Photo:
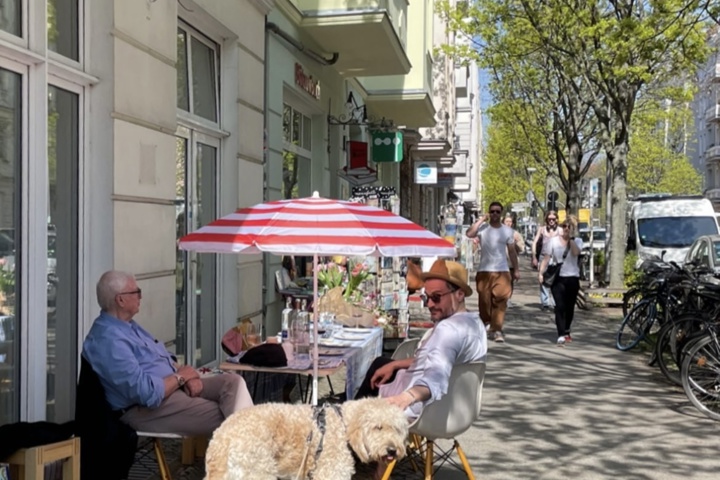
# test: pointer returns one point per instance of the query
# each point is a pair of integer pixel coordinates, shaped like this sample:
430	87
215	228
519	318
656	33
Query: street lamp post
531	195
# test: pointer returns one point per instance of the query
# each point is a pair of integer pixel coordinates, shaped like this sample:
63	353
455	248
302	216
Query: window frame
83	237
30	56
299	150
193	137
25	363
62	59
188	117
22	40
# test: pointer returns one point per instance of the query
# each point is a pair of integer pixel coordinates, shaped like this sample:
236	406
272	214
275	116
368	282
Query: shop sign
307	82
445	180
357	171
426	173
357	157
387	147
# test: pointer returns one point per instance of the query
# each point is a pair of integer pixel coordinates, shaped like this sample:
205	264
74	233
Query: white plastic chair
449	417
406	349
188	450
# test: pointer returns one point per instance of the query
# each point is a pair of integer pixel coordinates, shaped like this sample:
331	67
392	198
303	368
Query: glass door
11	155
196	273
62	252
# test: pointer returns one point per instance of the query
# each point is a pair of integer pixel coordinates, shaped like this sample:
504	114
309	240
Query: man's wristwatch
180	379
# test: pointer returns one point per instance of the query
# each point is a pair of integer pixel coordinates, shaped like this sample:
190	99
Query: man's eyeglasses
138	292
495	211
435	297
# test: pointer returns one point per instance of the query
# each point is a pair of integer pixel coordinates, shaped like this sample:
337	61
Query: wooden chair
447	418
29	463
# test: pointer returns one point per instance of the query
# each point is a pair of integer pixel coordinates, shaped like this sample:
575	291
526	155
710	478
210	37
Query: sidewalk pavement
583	411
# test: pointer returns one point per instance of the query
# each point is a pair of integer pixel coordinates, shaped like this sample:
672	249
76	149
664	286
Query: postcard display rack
387	274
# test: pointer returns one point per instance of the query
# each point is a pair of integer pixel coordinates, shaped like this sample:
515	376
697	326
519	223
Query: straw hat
451	272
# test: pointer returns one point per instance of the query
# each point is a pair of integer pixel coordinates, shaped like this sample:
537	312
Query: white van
669	223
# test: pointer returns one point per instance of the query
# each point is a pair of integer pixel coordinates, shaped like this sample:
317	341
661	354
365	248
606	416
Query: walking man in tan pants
493	279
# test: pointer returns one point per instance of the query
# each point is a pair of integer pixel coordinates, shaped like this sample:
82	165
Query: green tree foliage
504	177
680	178
657	160
604	51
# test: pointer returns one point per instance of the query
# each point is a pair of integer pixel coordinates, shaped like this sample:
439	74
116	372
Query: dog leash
319	417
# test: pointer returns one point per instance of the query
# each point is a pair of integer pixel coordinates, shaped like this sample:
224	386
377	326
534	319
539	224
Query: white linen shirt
458	339
494	247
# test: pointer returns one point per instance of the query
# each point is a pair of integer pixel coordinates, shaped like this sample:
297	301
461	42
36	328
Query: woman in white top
566	287
540	248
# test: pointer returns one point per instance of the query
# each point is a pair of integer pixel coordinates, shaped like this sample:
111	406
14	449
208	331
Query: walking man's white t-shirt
493	247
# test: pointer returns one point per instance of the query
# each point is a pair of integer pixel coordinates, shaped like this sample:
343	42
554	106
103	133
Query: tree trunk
608	215
618	240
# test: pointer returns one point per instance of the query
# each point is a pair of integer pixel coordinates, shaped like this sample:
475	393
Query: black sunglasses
138	292
495	211
435	297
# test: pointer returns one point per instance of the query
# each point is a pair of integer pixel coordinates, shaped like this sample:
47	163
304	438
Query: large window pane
204	80
183	94
180	255
62	254
287	115
10	162
63	30
206	275
11	16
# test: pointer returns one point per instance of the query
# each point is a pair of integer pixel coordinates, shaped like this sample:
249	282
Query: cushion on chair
16	436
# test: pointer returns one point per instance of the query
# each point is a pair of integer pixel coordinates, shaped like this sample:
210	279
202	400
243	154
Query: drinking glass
252	336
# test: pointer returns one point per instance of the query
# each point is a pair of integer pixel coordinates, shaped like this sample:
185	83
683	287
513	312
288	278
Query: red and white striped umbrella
317	226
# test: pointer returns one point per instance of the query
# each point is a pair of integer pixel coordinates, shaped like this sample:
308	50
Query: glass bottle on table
286	318
297	330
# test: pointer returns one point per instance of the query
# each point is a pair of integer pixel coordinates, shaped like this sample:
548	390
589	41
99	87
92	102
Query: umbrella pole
315	331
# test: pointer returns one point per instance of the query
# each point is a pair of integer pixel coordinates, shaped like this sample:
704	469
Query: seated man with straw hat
457	338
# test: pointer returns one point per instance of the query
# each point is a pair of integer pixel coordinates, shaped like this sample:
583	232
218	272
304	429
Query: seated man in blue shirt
142	383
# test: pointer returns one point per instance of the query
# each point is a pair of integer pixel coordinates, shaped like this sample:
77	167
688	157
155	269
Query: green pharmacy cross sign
387	147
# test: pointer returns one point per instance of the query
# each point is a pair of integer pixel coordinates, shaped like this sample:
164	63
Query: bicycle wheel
670	339
700	374
630	299
635	325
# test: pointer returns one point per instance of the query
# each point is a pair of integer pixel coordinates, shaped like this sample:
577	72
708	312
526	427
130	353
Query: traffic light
552	198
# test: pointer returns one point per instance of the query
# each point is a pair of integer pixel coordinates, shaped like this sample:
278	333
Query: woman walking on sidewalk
540	247
564	249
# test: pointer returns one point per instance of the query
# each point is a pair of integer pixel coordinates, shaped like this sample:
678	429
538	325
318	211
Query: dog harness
319	414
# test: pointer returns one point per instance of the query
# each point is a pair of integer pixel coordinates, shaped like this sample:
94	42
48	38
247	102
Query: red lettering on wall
307	82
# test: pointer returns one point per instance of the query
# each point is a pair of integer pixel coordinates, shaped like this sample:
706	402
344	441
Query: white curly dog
286	441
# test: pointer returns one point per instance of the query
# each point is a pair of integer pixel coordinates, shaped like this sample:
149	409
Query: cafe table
355	349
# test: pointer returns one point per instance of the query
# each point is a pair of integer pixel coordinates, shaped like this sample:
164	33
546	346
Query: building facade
467	172
125	124
340	74
706	108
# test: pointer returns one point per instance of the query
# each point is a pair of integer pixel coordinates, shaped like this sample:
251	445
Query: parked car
705	251
598	234
668	224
